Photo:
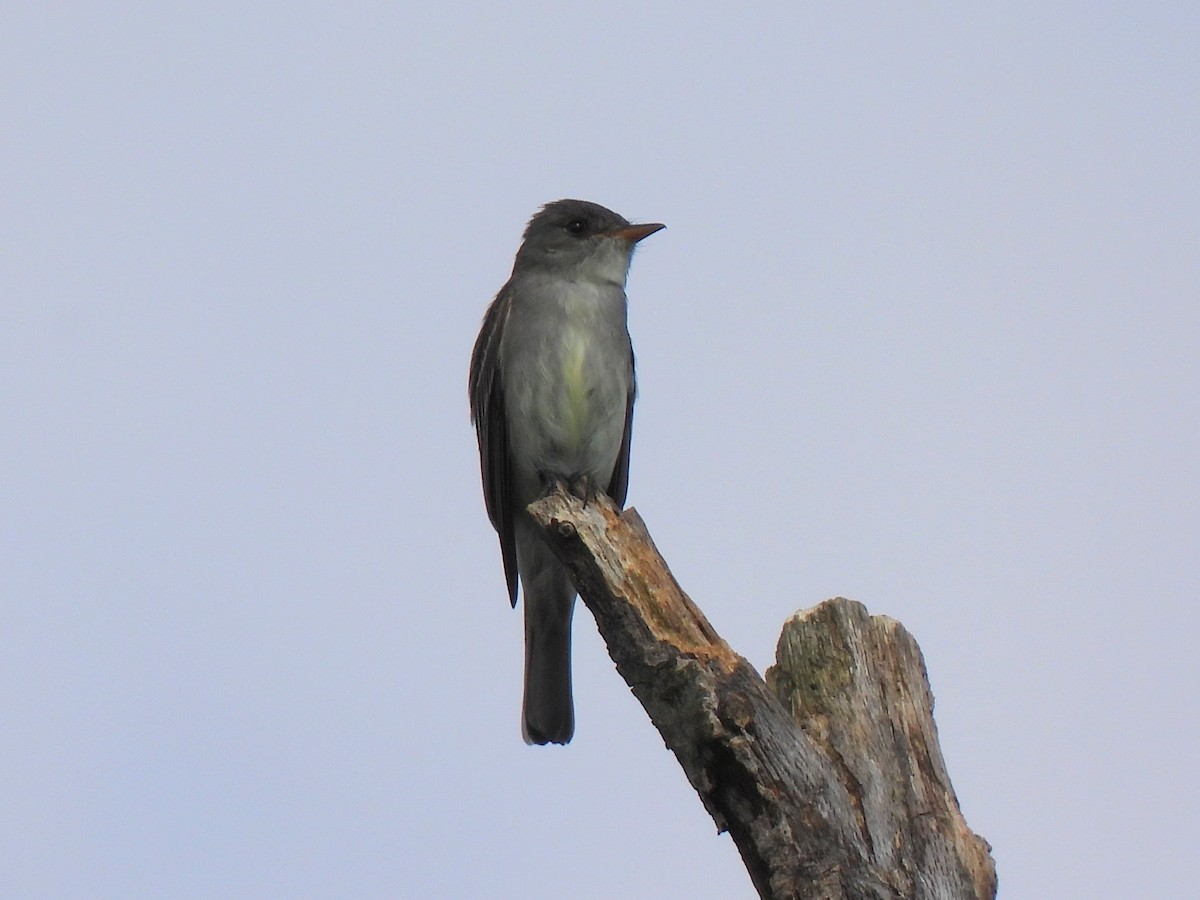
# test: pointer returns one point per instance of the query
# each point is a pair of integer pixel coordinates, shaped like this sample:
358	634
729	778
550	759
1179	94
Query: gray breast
567	380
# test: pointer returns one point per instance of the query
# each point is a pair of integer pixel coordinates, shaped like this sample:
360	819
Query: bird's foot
583	487
553	483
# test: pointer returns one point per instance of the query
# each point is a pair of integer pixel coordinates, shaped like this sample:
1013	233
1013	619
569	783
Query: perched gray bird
552	391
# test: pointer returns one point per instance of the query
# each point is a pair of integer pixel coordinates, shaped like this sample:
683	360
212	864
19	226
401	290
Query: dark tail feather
547	713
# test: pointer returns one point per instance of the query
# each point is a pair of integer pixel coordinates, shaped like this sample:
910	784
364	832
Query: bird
552	388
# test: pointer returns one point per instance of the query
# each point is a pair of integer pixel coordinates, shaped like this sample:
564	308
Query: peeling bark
828	775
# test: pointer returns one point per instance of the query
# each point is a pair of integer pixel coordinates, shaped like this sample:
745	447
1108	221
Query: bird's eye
576	226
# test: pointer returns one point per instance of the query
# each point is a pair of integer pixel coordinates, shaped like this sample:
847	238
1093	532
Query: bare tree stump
830	781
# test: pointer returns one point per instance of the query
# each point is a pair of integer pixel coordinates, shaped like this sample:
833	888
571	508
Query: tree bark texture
828	776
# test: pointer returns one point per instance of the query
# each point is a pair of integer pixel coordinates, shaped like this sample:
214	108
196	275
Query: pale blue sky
922	331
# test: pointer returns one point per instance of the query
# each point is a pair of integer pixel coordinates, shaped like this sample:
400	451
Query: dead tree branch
830	780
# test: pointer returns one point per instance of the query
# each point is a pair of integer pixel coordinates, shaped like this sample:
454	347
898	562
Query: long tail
547	711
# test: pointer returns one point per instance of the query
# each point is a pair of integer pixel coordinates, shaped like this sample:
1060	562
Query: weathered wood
857	686
839	791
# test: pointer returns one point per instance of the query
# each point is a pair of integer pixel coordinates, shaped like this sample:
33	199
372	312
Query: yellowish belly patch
575	416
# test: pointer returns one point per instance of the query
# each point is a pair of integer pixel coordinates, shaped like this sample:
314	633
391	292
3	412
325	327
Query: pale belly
572	402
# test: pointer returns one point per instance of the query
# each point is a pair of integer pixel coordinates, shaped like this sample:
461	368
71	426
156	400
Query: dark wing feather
618	485
491	428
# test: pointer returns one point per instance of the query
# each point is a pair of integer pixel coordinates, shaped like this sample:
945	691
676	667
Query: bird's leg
552	483
583	487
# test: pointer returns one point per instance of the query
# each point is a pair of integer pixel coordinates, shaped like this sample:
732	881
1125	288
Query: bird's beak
635	233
